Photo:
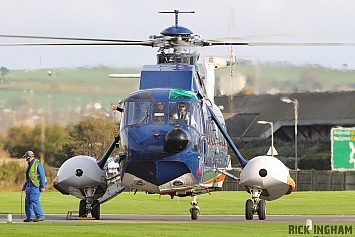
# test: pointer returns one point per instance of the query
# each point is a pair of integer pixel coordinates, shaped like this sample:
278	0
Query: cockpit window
140	95
159	108
196	119
179	112
138	112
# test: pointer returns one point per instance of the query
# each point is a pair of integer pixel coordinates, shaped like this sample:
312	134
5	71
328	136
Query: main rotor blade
273	36
64	38
142	43
95	41
299	44
215	42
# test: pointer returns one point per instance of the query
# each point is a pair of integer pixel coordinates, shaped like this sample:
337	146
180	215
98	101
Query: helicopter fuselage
162	152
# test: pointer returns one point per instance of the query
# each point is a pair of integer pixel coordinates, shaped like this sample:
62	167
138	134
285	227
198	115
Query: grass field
298	203
226	203
143	229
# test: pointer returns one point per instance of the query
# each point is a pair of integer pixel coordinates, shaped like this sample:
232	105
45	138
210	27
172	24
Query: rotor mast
176	12
179	39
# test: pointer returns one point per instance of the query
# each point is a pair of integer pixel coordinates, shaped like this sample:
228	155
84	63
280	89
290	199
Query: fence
308	180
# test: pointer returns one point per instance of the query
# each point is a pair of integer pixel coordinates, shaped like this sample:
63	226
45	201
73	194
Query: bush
13	175
320	161
289	162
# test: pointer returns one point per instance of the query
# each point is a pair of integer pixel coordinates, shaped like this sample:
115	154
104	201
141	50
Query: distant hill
283	77
69	86
77	90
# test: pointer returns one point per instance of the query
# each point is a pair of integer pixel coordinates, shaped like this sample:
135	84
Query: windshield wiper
174	119
145	117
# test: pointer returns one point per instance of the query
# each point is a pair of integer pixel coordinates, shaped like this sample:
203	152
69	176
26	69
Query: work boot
28	220
39	219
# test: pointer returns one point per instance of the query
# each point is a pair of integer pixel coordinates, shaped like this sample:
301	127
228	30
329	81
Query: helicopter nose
177	140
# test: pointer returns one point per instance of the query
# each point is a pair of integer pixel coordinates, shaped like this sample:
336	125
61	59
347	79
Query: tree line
55	144
92	136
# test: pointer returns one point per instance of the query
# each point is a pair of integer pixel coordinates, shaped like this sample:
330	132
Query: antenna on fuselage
177	15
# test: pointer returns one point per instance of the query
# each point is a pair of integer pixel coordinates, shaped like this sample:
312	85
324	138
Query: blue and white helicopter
173	139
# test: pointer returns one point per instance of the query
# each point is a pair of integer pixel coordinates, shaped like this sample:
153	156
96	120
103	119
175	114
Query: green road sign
343	148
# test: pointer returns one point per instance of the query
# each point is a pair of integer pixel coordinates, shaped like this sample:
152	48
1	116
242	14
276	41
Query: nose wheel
194	208
256	205
262	210
89	205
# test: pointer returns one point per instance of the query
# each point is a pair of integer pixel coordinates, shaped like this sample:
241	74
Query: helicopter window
123	118
195	140
138	113
179	112
196	116
181	94
158	112
140	95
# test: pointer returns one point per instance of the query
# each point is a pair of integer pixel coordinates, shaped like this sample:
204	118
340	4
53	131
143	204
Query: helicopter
173	138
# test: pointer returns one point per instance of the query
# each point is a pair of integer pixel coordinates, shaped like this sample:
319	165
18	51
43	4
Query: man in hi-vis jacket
34	185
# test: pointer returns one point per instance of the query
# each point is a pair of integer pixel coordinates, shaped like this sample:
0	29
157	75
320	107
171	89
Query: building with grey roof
317	114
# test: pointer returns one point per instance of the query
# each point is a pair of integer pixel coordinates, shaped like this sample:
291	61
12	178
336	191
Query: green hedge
319	161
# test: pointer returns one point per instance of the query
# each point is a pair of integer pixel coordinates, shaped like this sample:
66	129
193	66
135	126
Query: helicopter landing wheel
95	211
82	208
194	214
249	210
194	208
262	210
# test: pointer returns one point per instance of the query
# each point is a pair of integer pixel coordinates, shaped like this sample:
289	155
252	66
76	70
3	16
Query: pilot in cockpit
159	112
142	113
182	115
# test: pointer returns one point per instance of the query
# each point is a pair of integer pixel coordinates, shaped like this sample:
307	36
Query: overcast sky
299	21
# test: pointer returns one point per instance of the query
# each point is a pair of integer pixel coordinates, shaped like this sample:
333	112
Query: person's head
113	106
29	155
142	107
160	106
182	107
